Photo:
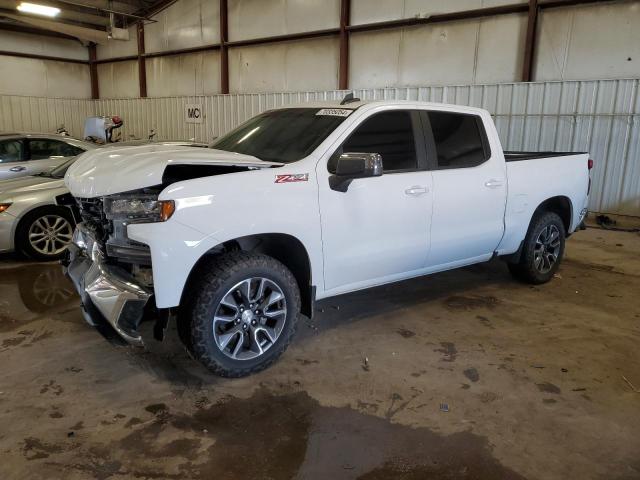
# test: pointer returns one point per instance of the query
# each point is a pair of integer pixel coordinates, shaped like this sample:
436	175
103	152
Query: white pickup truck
303	203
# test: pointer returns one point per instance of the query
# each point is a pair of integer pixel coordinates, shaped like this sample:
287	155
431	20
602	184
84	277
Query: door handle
493	183
416	190
17	169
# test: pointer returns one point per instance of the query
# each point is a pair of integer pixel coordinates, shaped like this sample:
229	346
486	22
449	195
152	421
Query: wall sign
193	113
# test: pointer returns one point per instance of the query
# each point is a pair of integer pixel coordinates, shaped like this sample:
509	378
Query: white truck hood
105	171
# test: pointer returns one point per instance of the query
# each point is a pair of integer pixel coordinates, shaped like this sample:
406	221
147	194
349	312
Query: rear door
43	154
12	156
469	189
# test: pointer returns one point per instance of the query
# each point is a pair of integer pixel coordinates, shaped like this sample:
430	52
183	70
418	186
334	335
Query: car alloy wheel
249	318
50	234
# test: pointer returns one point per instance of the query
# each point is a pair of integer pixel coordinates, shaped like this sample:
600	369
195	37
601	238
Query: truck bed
513	156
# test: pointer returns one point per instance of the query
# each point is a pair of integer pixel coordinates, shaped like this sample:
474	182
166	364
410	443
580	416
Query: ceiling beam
20	28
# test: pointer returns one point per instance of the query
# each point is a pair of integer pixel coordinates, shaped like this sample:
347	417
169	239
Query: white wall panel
500	48
118	79
193	74
44	115
592	41
42	45
474	51
184	24
285	66
28	76
369	11
263	18
119	48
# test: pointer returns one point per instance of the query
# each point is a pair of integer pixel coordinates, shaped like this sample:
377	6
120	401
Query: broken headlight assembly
140	208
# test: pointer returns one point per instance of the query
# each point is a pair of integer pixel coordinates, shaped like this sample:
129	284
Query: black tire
528	269
214	281
22	232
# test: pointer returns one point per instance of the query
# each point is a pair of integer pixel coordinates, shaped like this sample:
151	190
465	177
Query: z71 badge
295	177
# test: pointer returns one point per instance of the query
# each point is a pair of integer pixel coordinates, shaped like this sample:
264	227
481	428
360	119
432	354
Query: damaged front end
111	272
111	296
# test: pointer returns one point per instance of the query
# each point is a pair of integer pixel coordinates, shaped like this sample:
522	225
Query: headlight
4	206
139	208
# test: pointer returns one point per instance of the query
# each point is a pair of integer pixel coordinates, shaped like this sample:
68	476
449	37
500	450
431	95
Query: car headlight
139	208
4	207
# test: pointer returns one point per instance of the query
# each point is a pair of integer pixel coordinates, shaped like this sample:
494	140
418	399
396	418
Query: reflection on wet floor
30	290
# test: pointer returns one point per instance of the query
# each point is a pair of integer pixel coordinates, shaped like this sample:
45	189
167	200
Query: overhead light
38	9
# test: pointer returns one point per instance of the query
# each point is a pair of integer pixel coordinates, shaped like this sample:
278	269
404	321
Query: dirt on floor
461	375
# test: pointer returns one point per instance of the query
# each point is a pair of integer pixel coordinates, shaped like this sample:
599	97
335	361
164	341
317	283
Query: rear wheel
243	313
45	233
542	250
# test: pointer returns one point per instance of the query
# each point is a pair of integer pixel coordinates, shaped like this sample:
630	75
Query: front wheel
243	313
542	250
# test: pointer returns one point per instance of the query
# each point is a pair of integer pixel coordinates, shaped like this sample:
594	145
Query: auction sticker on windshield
335	112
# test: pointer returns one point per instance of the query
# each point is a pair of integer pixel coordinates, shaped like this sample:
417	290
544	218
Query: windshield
285	135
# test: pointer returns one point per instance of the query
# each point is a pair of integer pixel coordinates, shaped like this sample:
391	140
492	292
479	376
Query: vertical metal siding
600	116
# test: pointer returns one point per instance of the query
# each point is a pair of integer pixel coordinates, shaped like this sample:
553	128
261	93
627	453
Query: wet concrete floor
461	375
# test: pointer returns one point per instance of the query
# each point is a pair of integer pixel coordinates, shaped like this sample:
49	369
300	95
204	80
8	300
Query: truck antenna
349	98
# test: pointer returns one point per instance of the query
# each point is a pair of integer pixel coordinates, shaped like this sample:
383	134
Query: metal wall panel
38	114
280	17
471	51
30	76
600	116
368	11
591	41
184	24
193	74
311	64
42	45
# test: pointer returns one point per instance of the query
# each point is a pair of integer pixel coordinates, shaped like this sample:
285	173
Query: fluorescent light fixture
38	9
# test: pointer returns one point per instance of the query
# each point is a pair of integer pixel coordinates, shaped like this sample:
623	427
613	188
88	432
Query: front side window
45	148
10	151
458	139
286	135
391	135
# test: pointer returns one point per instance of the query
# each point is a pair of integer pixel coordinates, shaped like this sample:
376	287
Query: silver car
35	214
23	154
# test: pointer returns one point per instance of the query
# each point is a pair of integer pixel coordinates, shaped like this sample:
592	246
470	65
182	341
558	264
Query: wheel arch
285	248
561	205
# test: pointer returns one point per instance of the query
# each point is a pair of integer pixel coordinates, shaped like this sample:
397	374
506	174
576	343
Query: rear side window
391	135
460	139
45	148
10	151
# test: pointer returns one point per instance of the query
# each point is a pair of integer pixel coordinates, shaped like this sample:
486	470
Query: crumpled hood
10	188
105	171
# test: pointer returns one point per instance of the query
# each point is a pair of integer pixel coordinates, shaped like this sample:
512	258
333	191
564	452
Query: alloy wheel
50	234
249	319
547	249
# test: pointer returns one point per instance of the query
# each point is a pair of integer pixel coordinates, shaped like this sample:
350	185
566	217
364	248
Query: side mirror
354	165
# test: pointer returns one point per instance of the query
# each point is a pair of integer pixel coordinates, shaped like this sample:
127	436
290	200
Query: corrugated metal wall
602	117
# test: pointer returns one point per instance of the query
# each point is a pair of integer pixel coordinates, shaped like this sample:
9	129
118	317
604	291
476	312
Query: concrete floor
532	376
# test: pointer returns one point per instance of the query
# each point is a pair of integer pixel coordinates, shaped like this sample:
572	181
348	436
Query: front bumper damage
111	298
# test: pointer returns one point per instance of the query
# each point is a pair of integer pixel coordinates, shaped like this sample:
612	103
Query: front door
378	230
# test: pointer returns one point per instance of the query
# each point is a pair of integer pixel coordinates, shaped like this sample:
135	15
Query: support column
530	42
93	71
345	14
224	49
142	65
